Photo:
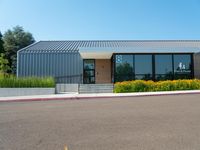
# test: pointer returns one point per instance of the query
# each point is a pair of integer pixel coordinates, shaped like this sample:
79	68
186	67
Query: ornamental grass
10	81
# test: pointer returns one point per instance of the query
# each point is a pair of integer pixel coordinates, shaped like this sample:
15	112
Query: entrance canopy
107	52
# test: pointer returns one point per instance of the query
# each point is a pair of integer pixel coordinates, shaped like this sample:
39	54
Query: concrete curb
91	96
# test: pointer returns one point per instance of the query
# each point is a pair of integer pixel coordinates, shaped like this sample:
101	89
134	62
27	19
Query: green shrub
150	86
11	81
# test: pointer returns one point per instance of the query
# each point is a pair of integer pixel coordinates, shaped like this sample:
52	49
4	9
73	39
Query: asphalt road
142	123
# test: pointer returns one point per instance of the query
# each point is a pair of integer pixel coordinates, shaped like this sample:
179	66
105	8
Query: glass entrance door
88	71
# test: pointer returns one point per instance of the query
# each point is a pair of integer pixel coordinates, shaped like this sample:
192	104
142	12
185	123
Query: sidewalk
76	96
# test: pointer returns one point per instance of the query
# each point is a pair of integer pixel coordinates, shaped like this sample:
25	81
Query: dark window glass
89	80
123	67
88	64
163	77
182	76
139	66
163	64
182	65
92	79
88	71
143	77
163	67
143	67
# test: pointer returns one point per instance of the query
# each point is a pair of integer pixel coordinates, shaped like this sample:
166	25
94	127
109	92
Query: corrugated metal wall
56	64
197	65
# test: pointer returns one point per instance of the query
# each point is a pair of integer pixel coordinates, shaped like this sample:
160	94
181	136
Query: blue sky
103	19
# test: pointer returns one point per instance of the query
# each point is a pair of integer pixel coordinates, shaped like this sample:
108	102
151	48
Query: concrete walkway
76	96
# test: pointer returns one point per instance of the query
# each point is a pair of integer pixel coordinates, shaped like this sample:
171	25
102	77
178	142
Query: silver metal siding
53	64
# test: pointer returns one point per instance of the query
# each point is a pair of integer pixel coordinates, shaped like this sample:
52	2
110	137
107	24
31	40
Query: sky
103	19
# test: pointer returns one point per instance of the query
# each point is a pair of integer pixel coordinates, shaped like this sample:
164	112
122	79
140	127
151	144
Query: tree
1	44
124	72
15	40
4	67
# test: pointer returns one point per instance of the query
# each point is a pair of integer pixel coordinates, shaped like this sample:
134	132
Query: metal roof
73	46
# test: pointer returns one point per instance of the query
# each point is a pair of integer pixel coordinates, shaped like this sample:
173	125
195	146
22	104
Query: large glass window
143	67
152	66
182	66
124	68
163	67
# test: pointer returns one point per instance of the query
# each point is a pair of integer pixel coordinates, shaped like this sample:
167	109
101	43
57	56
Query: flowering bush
151	86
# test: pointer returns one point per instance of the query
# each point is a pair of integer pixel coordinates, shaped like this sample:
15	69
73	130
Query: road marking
65	148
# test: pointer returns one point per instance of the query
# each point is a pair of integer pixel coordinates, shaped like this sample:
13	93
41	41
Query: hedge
25	82
151	86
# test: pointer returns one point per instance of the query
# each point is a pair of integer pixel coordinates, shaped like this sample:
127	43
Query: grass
10	81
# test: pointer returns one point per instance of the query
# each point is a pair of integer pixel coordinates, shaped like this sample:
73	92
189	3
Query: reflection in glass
143	64
143	77
163	64
182	64
143	67
159	77
89	80
88	64
88	71
163	67
124	67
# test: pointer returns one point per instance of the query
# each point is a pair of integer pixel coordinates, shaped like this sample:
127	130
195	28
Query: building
97	62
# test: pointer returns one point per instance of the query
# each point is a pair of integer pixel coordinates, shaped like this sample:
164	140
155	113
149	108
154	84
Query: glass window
163	64
143	67
88	71
123	67
182	64
159	77
182	76
163	67
143	77
89	80
88	64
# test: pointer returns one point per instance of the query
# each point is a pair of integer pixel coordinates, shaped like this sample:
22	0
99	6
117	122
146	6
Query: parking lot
131	123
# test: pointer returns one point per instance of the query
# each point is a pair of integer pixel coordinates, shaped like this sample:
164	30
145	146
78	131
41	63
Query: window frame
153	64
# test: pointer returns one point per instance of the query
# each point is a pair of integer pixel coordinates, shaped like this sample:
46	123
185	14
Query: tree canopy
15	40
124	72
1	44
4	67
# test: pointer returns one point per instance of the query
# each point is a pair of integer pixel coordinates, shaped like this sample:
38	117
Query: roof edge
28	46
120	40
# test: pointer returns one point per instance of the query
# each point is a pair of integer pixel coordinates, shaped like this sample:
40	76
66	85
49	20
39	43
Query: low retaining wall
66	88
5	92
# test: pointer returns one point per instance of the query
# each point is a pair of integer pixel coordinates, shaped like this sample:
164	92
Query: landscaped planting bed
13	86
151	86
25	82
